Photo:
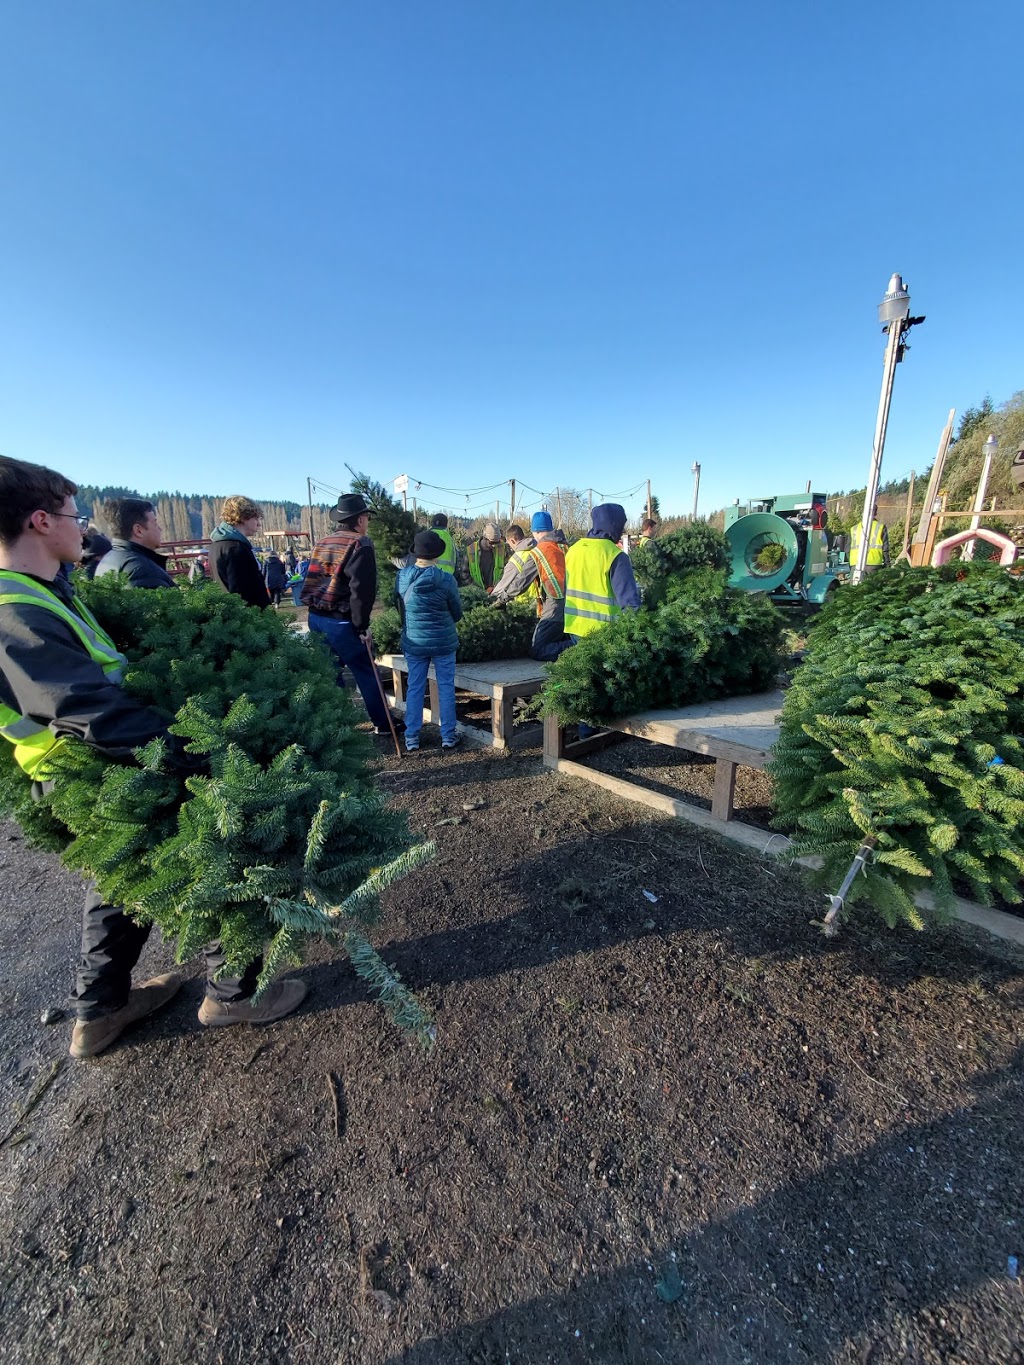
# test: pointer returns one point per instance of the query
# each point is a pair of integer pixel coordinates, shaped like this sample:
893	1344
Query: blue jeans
349	650
444	672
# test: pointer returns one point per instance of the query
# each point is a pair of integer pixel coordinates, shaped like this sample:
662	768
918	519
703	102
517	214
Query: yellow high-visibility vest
589	600
475	573
876	552
446	562
32	741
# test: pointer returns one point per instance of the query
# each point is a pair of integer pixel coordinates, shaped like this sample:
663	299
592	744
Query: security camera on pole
894	314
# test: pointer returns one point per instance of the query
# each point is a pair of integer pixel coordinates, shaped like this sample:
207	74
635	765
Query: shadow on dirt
853	1256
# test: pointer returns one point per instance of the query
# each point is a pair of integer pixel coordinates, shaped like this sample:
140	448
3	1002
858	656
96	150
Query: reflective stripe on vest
549	557
446	562
475	573
32	741
589	600
876	548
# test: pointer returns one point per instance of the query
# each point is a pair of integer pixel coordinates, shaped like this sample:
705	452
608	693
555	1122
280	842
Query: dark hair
647	525
439	520
26	488
515	533
122	515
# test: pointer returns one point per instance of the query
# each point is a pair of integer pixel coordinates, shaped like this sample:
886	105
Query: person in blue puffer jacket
429	604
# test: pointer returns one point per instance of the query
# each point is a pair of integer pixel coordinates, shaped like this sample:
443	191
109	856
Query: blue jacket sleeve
454	596
624	584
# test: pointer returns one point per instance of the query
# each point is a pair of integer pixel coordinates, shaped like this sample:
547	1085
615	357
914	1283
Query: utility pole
309	495
590	500
695	471
650	514
894	313
512	504
558	504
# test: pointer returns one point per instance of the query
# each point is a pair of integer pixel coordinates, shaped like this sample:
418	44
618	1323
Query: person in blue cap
539	569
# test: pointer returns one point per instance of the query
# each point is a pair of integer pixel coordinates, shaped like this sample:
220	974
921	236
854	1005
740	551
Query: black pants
111	944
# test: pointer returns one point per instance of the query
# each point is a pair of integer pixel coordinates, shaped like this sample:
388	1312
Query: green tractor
780	546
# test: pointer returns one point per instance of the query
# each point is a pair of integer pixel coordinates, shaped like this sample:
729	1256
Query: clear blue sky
580	242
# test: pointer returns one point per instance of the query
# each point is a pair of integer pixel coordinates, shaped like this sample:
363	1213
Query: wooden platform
738	731
501	680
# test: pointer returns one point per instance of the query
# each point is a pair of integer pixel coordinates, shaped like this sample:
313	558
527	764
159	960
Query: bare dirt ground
687	1130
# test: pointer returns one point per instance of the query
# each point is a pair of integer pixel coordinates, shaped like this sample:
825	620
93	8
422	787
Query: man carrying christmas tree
59	677
340	590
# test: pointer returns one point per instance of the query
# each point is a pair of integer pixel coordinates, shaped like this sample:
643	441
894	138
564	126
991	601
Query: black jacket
142	567
59	685
275	574
233	564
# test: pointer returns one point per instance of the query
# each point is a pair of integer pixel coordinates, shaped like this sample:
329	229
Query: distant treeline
192	516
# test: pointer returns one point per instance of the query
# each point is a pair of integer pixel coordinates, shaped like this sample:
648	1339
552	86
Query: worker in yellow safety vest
439	524
60	676
648	530
599	579
485	558
877	555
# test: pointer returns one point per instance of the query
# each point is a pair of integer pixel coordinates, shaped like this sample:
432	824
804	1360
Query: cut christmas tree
902	731
282	838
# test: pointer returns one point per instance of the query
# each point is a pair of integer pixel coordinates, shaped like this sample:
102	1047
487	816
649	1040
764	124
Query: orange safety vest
549	557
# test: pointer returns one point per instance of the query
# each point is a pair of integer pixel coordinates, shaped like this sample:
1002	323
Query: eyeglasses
83	522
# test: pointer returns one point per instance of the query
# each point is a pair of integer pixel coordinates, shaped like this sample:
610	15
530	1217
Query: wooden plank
501	720
435	698
554	741
724	789
756	839
735	751
398	683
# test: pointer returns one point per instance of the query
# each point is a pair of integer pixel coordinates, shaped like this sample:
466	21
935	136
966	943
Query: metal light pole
894	314
695	471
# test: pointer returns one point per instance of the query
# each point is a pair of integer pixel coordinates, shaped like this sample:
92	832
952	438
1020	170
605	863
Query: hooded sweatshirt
233	564
608	522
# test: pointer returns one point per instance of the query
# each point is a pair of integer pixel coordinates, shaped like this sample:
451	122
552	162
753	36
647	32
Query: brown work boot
89	1037
277	1000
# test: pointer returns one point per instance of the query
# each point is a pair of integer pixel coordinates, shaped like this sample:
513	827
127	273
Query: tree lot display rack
502	681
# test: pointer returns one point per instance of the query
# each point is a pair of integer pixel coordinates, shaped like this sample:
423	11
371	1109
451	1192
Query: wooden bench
737	731
501	680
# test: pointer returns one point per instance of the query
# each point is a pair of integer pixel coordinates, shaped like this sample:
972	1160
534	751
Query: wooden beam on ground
756	839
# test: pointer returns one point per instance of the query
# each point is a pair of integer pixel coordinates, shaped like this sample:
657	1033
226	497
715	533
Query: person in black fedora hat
340	589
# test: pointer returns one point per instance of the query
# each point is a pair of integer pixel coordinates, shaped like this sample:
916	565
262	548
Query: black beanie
428	545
